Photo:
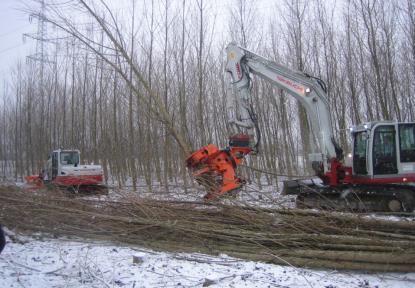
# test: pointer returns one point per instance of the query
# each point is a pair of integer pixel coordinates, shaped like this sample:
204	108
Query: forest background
137	87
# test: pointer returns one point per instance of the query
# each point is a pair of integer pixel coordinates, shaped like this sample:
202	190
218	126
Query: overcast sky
13	23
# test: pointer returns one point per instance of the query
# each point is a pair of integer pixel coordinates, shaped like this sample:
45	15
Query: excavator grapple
214	168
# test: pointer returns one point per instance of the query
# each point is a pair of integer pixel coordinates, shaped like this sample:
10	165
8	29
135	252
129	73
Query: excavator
64	170
381	172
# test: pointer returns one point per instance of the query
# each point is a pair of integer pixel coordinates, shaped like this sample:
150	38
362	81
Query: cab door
55	164
407	147
384	150
360	153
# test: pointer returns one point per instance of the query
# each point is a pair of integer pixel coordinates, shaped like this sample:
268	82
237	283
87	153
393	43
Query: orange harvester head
34	180
215	169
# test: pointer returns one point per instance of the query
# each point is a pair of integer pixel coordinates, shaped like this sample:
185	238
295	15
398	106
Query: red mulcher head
215	169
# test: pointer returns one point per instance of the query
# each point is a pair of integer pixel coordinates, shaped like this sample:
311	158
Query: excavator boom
242	121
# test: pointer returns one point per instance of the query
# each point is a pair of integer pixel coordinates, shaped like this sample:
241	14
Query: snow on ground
265	195
74	263
79	263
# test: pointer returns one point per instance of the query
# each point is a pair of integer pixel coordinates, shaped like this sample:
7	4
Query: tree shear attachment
215	168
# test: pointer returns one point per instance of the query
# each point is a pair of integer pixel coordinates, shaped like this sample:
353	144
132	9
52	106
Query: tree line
137	88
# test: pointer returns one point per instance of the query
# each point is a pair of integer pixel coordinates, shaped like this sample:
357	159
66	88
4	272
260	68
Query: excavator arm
215	168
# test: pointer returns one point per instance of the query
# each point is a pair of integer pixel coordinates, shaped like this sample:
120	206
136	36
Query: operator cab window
359	153
407	142
70	158
384	150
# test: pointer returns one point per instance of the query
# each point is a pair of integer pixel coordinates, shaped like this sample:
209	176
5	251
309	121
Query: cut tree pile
290	237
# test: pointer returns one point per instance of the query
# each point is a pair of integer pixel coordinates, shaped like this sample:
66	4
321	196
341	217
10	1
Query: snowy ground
69	263
265	196
37	262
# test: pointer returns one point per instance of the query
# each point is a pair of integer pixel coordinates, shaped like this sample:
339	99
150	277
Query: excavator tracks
362	198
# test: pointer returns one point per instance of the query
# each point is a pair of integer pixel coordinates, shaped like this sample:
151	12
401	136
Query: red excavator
381	176
63	170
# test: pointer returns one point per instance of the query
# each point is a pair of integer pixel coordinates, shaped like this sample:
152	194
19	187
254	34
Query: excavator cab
383	150
58	159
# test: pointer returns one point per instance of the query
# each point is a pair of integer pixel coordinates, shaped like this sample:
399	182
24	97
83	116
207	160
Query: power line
14	30
10	48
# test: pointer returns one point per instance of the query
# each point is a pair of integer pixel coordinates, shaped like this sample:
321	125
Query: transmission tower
40	37
39	59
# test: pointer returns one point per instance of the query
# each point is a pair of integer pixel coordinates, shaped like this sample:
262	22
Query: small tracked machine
64	171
